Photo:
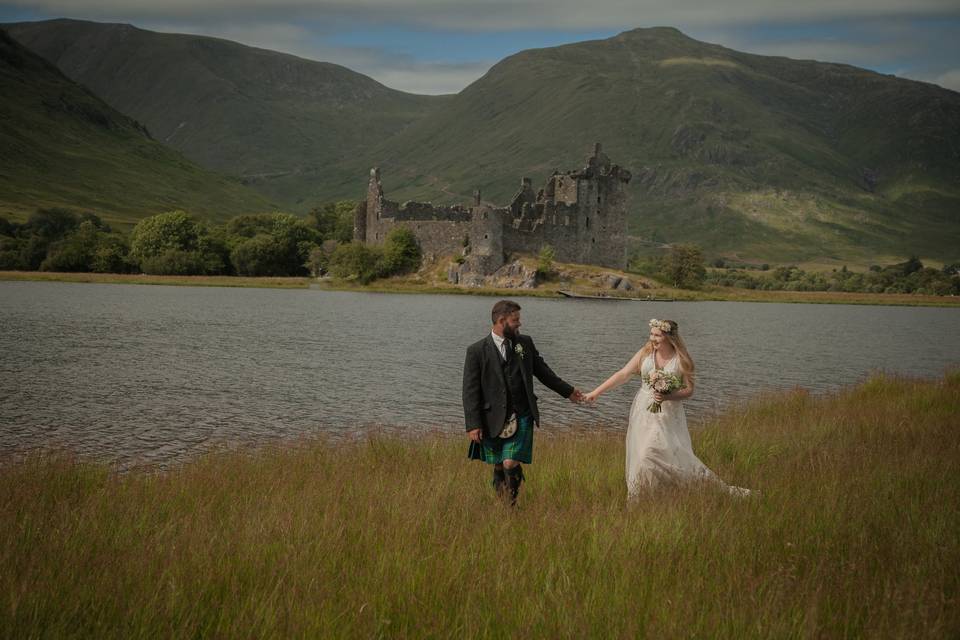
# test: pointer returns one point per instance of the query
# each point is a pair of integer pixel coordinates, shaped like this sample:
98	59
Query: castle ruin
581	214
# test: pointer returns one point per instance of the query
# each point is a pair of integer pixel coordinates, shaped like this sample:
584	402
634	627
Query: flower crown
663	325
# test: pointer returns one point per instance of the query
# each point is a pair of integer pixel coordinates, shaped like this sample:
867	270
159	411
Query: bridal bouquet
662	382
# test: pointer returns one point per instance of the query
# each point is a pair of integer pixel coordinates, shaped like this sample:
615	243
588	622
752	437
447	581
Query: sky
441	46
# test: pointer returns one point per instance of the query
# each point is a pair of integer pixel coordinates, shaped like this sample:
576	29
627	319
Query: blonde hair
673	337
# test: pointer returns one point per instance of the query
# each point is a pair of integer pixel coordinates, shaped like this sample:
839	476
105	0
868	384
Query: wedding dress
658	444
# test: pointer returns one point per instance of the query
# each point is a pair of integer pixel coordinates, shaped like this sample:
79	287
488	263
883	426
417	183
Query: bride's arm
617	379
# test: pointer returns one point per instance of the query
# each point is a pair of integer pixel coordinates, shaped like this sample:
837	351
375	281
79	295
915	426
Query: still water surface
155	374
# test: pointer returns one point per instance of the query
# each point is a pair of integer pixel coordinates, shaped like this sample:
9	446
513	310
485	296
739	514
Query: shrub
261	255
174	243
401	253
545	261
270	244
334	221
354	261
177	262
684	266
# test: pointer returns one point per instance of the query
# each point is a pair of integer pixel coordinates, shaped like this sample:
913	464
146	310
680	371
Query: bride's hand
591	397
659	397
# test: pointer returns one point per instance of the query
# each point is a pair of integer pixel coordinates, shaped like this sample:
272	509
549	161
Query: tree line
683	267
910	276
177	243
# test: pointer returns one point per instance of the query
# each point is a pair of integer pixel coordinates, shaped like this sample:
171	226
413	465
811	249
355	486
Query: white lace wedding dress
658	444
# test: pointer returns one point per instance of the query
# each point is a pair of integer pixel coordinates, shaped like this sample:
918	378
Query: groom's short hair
503	308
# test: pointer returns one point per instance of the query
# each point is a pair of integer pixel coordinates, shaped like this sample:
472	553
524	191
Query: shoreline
405	285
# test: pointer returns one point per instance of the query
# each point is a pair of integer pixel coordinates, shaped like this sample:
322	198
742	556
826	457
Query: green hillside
753	157
64	147
761	157
283	124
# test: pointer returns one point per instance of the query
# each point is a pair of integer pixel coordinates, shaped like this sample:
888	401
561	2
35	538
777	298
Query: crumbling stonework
581	214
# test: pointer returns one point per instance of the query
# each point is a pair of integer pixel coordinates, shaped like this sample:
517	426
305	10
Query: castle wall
581	214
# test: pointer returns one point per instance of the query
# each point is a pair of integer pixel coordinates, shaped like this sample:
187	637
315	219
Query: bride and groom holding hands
500	407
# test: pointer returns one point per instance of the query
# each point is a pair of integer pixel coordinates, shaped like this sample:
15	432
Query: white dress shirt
501	343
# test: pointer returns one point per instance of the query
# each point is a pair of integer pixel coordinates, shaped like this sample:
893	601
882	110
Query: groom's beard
509	333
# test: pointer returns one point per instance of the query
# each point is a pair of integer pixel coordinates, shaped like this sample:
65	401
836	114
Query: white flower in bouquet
662	382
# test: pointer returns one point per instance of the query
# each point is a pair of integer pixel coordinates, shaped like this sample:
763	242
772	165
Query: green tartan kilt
517	447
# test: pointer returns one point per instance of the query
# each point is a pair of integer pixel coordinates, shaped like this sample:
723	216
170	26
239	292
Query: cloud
397	71
432	79
949	80
473	15
440	46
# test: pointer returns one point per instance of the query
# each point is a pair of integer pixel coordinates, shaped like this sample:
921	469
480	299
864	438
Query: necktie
507	348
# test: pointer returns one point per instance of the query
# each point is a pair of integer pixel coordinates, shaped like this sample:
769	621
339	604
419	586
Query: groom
498	396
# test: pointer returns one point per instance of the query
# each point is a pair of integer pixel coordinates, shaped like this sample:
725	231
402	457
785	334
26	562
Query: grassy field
854	534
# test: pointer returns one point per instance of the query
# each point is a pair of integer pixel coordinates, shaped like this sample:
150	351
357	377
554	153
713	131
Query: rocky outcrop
513	275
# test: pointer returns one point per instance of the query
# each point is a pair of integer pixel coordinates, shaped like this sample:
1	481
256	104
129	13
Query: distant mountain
760	156
283	124
62	146
750	156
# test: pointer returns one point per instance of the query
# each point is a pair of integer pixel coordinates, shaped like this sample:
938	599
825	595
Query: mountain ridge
64	147
747	155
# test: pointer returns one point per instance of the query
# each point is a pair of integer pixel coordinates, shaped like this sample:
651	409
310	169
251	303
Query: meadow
854	533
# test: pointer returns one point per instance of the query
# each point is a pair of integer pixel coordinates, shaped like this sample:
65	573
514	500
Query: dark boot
514	480
499	481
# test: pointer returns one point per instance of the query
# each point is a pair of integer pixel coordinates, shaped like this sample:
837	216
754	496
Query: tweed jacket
485	387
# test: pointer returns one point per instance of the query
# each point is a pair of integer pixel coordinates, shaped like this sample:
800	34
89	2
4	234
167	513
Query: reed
854	534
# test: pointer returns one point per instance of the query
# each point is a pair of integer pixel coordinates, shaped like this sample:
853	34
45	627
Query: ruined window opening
593	240
598	199
485	236
588	222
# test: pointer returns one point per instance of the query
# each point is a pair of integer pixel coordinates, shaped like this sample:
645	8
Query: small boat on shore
583	296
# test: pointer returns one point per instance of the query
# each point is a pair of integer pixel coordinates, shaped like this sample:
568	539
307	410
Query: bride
658	444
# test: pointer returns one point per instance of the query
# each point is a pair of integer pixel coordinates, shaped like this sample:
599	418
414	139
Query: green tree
8	228
261	255
174	243
545	261
684	267
111	254
88	249
355	261
73	253
401	253
334	220
51	224
270	244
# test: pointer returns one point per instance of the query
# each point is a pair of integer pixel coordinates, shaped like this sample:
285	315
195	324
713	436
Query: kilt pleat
517	447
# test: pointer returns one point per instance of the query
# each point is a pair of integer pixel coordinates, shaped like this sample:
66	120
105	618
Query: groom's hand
576	397
476	435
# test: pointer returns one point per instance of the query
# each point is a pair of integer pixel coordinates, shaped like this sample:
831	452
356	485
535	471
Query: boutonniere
518	349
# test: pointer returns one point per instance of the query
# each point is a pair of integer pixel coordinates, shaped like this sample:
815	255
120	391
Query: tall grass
854	534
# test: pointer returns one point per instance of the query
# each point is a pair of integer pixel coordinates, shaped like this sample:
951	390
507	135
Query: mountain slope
282	123
750	156
64	147
766	157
